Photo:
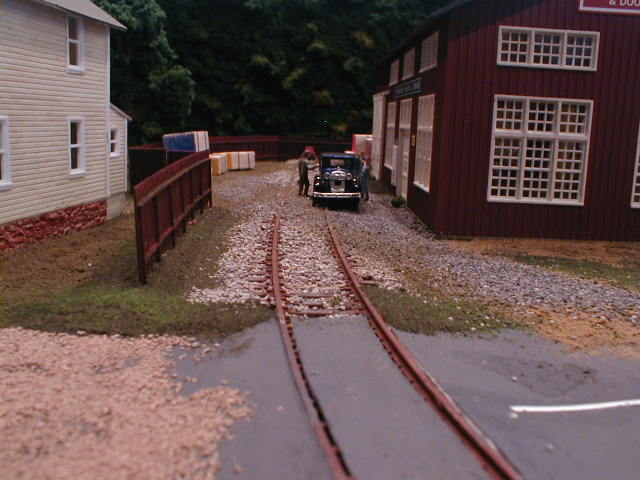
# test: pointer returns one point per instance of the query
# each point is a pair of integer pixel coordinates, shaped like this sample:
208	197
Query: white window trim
394	72
389	146
116	142
541	136
424	68
564	33
419	128
5	181
636	176
80	67
81	170
405	72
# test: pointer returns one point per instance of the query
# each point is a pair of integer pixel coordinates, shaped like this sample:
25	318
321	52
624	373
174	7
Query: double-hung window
390	136
635	194
75	44
545	48
408	64
429	52
114	142
540	149
394	72
424	141
5	165
76	147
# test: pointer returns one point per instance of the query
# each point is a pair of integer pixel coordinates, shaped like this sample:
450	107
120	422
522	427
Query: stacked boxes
186	141
232	160
218	163
224	161
361	143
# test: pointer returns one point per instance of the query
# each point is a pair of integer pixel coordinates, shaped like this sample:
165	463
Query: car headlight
327	175
349	176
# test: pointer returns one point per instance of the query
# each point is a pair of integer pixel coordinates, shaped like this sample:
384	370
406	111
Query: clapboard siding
118	165
39	96
472	78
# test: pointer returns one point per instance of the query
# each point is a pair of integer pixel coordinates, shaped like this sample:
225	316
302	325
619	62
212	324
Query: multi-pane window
76	145
114	142
5	166
408	64
394	72
424	141
539	47
429	52
390	136
635	194
540	149
75	48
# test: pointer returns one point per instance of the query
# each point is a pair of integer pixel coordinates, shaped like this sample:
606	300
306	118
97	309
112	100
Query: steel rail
317	418
492	459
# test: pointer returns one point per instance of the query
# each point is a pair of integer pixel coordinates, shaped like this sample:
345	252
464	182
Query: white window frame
524	134
80	170
635	202
390	140
114	141
5	179
394	72
409	61
79	68
425	126
564	34
429	53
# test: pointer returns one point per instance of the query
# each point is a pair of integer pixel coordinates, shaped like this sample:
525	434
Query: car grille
337	181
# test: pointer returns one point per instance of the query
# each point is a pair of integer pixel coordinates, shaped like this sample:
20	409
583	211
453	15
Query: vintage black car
338	179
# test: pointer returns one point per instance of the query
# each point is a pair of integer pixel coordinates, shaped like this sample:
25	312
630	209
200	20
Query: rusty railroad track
491	458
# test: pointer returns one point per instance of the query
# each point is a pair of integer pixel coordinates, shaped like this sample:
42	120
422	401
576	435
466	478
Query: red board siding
473	79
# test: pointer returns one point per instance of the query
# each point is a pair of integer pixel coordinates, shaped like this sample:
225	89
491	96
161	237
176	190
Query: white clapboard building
63	145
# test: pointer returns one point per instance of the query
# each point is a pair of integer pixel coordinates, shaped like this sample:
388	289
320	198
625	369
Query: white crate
243	160
232	160
218	163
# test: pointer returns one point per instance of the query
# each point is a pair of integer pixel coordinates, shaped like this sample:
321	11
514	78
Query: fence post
142	263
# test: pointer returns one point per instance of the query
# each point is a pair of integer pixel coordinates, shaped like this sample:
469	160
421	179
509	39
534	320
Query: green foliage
288	67
398	201
146	80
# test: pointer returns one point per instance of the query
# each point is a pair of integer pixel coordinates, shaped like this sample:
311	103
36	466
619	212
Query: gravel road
392	247
98	407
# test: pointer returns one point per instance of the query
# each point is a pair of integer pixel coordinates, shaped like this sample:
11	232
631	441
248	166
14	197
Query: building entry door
404	146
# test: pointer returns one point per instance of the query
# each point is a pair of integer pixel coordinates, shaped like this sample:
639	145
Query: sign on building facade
623	7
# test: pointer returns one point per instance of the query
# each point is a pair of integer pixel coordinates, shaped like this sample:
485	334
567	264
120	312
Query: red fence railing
275	147
145	160
165	202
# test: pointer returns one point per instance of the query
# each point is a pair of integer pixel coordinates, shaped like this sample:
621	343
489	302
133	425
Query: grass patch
108	309
628	277
88	281
430	314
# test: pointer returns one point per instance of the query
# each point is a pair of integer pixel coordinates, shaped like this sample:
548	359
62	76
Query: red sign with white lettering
623	7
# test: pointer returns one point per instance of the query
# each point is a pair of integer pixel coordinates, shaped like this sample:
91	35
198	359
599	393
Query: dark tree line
234	67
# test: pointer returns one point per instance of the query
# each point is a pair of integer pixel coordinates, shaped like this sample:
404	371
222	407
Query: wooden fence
165	202
145	160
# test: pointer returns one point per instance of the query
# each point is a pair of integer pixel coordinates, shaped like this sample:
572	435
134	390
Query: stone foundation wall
52	224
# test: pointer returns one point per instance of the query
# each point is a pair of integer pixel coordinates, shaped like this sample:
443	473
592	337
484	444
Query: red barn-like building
516	118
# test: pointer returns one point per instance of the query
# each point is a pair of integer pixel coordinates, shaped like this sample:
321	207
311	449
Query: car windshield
349	163
337	162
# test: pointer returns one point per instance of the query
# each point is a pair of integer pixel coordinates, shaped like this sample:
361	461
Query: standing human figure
304	165
364	177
